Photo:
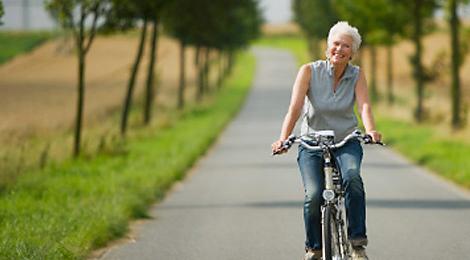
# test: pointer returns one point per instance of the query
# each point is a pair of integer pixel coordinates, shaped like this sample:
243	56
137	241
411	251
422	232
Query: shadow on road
385	165
371	203
418	204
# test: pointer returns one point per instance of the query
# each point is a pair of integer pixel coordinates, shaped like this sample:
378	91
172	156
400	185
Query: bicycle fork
337	202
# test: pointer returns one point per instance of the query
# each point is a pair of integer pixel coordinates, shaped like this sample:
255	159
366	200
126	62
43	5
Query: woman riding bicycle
327	90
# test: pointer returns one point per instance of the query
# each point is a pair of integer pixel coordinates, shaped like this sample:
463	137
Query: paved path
240	203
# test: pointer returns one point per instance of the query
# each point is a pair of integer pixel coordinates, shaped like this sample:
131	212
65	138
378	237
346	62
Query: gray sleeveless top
325	109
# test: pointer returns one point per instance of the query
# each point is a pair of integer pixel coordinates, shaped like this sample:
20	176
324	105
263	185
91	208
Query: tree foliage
217	24
315	17
223	26
1	11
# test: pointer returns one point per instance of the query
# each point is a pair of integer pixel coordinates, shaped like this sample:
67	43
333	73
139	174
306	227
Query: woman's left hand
376	136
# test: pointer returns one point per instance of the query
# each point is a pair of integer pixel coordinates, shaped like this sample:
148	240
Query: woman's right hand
277	147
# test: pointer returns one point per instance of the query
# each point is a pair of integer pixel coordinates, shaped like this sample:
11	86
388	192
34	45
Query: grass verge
66	210
425	146
421	143
14	43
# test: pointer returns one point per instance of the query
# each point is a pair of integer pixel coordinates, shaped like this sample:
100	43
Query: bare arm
364	107
299	91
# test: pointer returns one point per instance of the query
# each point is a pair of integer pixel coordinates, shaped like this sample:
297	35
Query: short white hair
343	28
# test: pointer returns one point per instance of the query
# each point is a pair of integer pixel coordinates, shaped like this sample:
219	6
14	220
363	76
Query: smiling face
340	49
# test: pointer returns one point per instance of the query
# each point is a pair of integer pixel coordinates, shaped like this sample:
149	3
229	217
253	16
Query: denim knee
313	197
352	183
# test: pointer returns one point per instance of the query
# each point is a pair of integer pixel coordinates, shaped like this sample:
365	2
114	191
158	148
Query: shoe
359	253
313	255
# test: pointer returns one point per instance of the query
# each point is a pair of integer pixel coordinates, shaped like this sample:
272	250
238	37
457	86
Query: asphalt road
241	203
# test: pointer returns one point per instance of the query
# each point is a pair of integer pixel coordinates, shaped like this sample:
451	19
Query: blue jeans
348	158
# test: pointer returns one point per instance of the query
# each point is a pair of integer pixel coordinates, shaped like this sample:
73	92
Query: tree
207	25
390	23
314	17
154	9
180	28
240	26
457	61
1	11
393	23
124	16
73	15
390	18
149	86
421	11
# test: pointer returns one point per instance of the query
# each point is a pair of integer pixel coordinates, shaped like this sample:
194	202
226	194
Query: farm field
38	90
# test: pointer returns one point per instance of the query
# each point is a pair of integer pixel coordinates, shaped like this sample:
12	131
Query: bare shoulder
305	71
361	72
306	67
361	83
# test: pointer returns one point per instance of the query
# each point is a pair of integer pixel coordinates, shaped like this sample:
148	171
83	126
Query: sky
276	11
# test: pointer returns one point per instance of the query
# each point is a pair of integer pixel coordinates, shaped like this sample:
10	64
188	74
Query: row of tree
385	22
211	27
1	11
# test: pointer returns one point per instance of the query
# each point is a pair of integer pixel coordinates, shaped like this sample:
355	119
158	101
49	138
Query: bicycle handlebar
367	139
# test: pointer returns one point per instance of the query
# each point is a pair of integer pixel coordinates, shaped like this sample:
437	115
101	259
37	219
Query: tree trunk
418	67
390	96
149	95
81	90
82	50
196	56
200	76
226	63
133	76
230	61
373	70
455	90
220	68
182	75
207	70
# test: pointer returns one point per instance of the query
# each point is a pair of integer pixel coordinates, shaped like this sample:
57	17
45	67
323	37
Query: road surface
241	203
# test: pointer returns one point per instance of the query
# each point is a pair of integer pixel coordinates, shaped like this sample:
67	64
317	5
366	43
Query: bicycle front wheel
330	236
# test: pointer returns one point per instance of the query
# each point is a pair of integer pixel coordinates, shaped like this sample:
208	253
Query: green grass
444	155
69	209
422	144
14	43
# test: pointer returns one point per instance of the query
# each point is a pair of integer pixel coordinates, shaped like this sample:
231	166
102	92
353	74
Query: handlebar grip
368	140
286	145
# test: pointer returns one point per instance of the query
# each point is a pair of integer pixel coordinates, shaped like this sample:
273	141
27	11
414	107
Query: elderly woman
330	88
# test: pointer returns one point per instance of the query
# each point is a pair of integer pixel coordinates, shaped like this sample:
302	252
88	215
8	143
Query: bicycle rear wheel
330	236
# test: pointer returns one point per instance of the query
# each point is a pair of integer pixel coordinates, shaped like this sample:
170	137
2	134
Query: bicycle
336	244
